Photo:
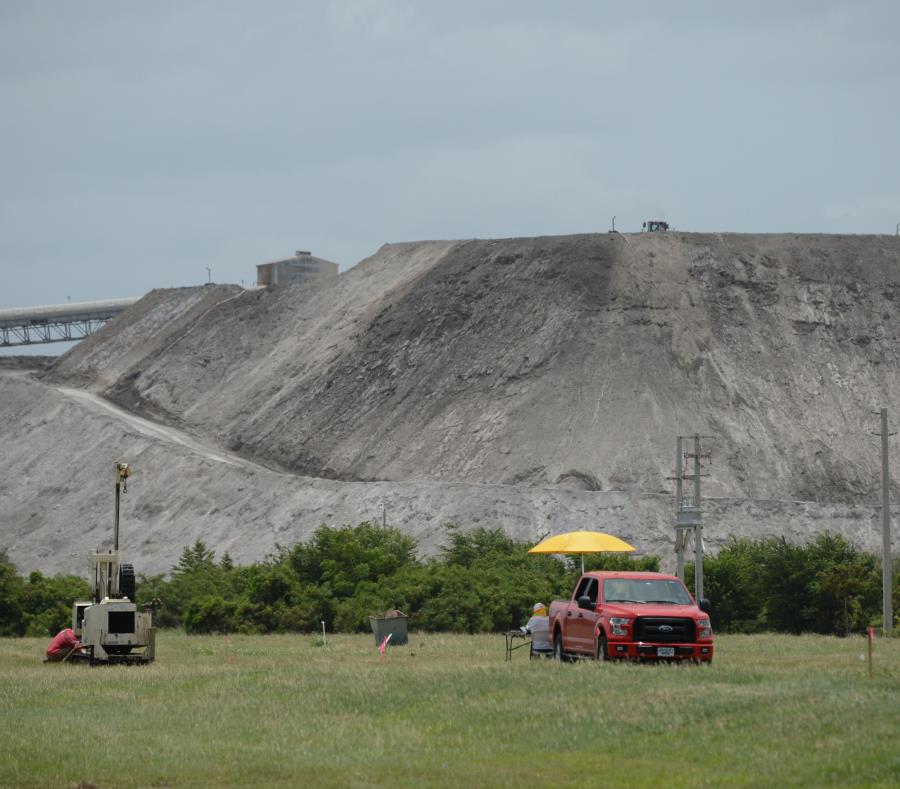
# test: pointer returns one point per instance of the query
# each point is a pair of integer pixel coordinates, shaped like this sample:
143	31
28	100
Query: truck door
582	622
571	633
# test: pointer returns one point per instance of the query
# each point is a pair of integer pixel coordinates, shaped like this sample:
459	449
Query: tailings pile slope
569	361
542	364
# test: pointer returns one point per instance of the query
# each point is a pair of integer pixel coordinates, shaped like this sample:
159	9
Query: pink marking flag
383	646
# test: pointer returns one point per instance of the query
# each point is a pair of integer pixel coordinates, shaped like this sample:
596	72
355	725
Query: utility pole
887	562
688	516
208	275
680	533
698	529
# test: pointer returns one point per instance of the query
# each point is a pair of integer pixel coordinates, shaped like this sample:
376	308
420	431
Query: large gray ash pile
535	384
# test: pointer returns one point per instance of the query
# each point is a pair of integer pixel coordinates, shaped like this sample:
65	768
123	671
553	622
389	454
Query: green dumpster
391	623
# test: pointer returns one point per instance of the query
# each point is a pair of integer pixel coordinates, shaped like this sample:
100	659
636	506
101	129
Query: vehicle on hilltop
637	615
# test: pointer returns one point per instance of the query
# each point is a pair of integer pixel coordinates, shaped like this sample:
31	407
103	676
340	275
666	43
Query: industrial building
303	267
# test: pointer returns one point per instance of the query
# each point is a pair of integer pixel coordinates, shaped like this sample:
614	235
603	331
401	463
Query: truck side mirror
585	602
705	606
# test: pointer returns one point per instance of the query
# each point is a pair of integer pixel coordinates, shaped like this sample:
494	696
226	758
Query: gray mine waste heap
535	384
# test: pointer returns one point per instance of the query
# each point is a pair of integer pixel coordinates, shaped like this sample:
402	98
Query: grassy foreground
447	710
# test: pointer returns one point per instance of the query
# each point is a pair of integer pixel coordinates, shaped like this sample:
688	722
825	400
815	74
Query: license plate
665	651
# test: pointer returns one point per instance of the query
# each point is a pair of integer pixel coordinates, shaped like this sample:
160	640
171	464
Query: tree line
480	581
826	586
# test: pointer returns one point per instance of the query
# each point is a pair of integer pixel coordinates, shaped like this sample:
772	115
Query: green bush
37	605
732	580
338	559
12	593
481	580
826	586
47	602
210	615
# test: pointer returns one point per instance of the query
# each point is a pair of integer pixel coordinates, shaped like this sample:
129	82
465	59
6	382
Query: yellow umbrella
582	542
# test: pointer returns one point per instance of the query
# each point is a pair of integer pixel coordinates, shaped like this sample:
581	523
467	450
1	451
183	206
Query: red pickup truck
631	615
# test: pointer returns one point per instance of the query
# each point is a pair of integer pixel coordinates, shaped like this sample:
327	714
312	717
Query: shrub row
481	580
36	605
826	586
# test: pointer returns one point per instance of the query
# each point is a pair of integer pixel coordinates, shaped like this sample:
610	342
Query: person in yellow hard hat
539	629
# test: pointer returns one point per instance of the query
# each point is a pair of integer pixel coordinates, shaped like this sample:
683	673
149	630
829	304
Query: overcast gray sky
142	142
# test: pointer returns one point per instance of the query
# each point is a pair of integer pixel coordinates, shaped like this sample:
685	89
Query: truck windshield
633	590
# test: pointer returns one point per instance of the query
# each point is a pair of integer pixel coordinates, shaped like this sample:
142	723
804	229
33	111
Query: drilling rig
109	626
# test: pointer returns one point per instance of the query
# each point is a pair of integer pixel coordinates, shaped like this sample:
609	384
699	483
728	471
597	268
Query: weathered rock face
550	361
56	493
564	363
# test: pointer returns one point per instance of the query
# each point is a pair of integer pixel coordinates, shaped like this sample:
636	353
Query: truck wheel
602	650
558	652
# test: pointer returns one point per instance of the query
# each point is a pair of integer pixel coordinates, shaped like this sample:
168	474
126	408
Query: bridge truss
57	323
52	331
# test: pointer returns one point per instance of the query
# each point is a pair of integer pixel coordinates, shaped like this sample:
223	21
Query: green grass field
446	711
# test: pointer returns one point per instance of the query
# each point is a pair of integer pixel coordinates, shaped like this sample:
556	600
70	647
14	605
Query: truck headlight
704	629
619	625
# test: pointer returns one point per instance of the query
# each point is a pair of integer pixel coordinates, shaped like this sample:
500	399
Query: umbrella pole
582	564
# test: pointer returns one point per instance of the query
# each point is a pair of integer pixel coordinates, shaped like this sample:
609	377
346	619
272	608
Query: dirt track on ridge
164	433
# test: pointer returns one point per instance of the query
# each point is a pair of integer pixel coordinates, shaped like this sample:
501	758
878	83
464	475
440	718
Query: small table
511	637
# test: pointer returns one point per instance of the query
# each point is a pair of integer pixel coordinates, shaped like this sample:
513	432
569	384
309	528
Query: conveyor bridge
58	322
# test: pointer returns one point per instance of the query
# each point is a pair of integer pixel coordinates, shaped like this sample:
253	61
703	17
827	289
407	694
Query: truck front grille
664	629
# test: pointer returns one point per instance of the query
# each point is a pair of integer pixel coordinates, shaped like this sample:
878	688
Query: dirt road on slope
164	433
60	443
